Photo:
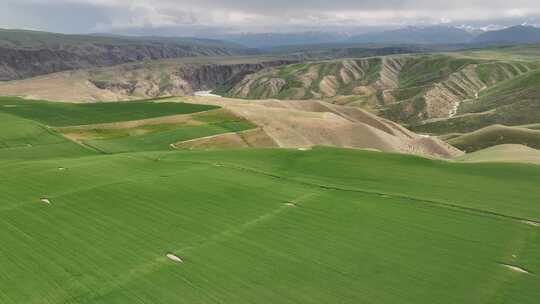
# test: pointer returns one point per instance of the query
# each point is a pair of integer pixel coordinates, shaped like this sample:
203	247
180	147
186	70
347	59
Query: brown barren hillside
307	123
171	77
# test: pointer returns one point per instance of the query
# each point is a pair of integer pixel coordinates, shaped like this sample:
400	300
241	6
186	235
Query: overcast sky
90	16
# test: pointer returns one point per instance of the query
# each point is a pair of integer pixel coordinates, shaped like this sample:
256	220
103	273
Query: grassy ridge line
525	53
501	93
496	135
509	153
429	69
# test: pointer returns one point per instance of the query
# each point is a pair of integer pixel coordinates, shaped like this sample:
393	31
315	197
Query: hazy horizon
211	17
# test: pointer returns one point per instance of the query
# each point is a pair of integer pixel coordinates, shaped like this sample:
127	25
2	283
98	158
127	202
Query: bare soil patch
307	123
246	139
174	258
515	268
531	223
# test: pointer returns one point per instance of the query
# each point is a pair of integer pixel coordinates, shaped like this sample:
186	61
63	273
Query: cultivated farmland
325	225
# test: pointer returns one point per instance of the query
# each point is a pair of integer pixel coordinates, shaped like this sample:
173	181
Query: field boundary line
432	202
85	145
173	145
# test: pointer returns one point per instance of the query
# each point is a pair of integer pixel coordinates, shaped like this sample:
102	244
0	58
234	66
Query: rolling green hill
144	125
496	135
326	225
112	220
509	153
526	52
25	139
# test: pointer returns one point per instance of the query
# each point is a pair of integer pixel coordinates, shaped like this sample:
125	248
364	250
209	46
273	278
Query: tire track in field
254	222
162	260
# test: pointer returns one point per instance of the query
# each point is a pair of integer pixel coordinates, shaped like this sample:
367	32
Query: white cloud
252	15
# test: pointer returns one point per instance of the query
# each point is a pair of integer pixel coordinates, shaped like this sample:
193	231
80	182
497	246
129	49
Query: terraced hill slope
512	102
411	89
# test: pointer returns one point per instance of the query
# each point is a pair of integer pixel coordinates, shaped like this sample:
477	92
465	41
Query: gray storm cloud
253	15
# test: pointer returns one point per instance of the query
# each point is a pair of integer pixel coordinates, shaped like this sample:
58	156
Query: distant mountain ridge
25	54
512	35
266	40
411	35
30	39
417	35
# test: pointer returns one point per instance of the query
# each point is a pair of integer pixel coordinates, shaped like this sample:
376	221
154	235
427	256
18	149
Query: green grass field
260	226
25	139
162	140
113	140
58	114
